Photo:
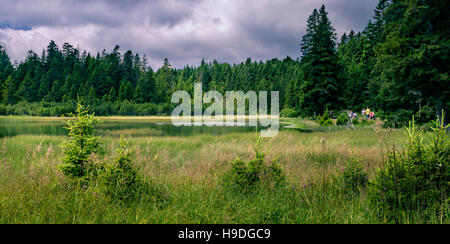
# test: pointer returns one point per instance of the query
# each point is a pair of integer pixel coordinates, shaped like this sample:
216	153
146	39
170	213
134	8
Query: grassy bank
190	170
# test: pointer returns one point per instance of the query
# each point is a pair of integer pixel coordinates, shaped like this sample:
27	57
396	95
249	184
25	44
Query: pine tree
129	91
319	90
113	68
55	94
5	66
309	38
412	61
25	93
91	98
354	72
7	91
127	67
112	95
165	82
122	92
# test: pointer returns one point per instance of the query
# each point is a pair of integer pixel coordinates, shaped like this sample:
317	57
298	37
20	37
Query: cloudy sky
184	31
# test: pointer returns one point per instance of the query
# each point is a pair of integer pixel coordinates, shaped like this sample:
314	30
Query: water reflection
13	127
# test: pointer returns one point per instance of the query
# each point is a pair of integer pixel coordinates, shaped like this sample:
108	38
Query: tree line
398	66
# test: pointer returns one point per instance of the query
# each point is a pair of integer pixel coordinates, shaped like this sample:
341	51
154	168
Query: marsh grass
32	190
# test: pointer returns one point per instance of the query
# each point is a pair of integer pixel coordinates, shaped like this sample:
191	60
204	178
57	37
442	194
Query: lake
127	126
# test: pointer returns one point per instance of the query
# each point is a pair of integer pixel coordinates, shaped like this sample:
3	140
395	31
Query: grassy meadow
189	171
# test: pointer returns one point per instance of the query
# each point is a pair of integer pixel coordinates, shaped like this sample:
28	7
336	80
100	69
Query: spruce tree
319	90
412	61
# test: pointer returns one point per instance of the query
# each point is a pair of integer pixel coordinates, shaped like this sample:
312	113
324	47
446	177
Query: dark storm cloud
103	12
185	31
351	14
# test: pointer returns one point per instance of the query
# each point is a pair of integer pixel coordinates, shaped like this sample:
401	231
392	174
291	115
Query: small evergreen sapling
353	178
417	177
81	143
120	179
246	176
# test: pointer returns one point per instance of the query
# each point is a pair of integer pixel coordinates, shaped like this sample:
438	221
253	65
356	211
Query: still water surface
14	127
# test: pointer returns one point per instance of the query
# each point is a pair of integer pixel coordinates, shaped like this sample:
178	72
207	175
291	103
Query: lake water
13	127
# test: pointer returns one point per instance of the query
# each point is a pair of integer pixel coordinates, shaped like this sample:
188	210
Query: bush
246	176
324	120
104	108
3	109
396	119
126	108
426	114
162	109
366	122
417	177
81	144
289	113
353	179
342	119
146	109
120	181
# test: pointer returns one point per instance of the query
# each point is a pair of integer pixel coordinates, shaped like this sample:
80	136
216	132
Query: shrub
342	119
324	120
426	114
121	181
81	144
126	108
246	176
352	178
366	122
146	109
104	108
396	119
3	109
289	113
417	177
162	109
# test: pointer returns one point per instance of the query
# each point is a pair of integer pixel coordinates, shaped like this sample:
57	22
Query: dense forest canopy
398	66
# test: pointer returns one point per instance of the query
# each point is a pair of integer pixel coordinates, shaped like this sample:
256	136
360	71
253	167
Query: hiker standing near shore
367	113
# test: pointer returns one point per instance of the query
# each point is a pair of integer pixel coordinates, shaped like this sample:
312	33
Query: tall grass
189	170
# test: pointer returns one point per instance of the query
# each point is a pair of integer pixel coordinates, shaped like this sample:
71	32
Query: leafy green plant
366	122
396	119
415	178
248	175
342	119
425	115
324	120
353	179
289	113
121	181
81	144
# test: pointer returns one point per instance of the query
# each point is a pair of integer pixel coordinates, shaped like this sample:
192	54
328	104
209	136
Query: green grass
189	169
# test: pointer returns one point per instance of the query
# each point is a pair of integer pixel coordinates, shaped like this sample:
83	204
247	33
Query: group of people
352	115
366	113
